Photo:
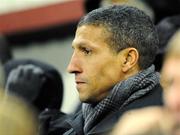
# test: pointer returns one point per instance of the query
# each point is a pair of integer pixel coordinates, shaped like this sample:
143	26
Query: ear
131	57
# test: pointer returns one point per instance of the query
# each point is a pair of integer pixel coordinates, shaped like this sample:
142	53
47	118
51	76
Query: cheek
98	77
105	77
103	71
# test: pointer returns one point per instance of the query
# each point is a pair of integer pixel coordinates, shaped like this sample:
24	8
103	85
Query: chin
88	100
85	100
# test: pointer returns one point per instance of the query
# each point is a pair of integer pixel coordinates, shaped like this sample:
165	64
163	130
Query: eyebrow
82	44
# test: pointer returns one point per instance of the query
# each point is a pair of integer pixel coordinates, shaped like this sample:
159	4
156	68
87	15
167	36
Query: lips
79	82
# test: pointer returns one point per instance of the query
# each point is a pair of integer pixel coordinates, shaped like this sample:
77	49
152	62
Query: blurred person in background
135	3
164	8
42	83
166	28
141	4
38	84
156	9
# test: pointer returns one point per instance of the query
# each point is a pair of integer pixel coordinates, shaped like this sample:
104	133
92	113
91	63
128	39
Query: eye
86	50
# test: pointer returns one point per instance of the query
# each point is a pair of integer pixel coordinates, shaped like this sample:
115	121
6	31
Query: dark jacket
50	94
74	124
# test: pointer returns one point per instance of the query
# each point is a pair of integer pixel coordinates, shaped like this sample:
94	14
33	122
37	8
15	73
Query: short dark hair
127	27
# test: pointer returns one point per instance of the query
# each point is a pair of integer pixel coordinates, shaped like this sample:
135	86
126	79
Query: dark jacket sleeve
52	122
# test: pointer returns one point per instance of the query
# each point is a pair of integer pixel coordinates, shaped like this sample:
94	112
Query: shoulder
153	98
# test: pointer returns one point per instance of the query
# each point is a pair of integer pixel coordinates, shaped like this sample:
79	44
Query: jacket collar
77	123
105	126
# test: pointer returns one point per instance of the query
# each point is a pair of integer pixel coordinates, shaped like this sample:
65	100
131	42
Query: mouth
80	85
79	82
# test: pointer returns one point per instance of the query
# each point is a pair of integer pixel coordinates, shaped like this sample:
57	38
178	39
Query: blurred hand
25	81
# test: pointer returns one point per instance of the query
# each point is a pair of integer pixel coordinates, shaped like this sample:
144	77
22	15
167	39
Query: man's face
96	67
171	84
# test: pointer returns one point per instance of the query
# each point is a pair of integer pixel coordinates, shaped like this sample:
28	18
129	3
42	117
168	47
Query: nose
74	64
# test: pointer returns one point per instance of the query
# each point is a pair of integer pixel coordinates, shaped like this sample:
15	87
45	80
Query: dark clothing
90	5
120	95
164	8
166	28
50	117
140	90
75	123
49	93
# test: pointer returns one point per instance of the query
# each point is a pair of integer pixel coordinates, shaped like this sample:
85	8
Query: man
114	48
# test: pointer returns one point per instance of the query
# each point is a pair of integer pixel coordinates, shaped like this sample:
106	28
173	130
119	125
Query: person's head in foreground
145	121
16	118
170	79
111	44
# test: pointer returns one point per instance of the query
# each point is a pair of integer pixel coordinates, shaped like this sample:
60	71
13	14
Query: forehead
90	33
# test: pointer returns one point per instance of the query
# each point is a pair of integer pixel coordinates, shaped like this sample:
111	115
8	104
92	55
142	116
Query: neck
131	72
